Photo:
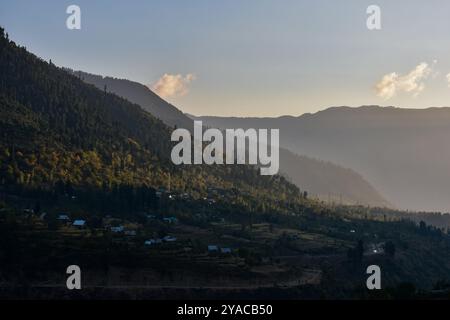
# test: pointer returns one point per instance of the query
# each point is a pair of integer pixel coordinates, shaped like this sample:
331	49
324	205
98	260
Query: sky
250	57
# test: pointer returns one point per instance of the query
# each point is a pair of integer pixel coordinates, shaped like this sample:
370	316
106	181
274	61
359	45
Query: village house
213	248
152	242
169	239
79	224
63	217
225	250
171	220
117	229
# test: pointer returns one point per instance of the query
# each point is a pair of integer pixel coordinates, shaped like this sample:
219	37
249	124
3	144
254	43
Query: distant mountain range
321	179
404	153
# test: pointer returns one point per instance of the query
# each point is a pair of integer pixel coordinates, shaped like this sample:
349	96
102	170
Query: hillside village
286	253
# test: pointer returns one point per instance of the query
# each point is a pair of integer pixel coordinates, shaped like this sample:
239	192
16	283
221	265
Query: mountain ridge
326	110
402	152
139	94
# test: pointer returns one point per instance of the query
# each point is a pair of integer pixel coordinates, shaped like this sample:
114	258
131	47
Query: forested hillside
57	129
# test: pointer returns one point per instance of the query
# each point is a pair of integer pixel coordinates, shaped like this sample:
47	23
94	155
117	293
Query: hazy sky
250	57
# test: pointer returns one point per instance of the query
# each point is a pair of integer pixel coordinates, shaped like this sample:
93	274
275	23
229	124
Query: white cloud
413	82
170	85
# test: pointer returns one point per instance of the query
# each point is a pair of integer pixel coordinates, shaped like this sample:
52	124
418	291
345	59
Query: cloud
172	85
413	82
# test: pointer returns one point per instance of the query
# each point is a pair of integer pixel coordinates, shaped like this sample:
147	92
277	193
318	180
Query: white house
213	248
117	229
152	242
63	217
170	220
169	239
79	223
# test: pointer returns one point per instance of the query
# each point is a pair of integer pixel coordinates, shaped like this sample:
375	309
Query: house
213	248
79	223
118	229
63	218
152	242
170	220
225	250
185	196
169	239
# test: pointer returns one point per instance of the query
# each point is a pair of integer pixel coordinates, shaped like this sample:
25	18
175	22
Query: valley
86	179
